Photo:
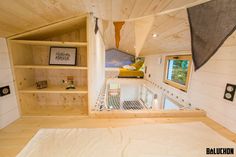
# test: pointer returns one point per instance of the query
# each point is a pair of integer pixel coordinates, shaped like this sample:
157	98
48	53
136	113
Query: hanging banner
118	26
211	24
96	26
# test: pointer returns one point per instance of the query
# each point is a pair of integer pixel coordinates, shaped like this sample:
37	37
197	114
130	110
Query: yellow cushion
137	65
130	73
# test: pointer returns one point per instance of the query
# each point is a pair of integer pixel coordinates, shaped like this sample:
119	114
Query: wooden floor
14	137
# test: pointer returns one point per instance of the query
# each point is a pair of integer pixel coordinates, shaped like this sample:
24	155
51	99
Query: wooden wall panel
55	76
82	56
173	34
31	64
40	55
24	78
21	54
54	104
73	36
207	85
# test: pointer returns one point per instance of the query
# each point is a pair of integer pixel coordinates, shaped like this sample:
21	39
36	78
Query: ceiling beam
168	11
183	7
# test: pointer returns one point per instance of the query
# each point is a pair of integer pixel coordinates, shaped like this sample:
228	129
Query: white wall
129	92
99	64
8	105
207	85
97	67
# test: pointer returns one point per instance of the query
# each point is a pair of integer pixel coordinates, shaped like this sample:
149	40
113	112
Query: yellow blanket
130	73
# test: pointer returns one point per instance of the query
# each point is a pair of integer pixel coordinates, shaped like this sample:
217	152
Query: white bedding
153	140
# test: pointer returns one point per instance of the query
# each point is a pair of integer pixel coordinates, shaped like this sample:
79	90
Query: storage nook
30	55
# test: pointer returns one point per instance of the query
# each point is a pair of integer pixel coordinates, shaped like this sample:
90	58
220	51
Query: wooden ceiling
18	16
173	34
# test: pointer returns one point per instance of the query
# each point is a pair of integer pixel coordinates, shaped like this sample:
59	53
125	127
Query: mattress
152	140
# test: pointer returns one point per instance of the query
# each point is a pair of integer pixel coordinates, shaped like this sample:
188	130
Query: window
170	104
177	71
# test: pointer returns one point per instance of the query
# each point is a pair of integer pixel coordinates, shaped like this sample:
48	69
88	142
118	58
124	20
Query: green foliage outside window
178	70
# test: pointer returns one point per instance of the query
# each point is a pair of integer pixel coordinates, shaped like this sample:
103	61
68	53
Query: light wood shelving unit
55	89
49	67
51	43
30	58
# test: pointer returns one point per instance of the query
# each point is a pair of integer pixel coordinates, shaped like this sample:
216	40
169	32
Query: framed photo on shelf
63	56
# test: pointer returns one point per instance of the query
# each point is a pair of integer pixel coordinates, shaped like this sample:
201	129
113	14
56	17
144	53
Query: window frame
166	67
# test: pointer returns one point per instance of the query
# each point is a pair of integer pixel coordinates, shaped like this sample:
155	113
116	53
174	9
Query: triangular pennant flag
118	26
211	24
96	26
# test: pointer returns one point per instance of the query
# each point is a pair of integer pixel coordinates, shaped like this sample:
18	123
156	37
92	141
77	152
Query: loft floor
14	137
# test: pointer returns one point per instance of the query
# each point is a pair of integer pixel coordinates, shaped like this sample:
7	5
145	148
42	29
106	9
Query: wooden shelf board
148	113
51	43
56	110
55	89
49	67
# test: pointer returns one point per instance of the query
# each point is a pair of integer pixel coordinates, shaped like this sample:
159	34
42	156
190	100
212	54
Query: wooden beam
183	7
148	114
168	11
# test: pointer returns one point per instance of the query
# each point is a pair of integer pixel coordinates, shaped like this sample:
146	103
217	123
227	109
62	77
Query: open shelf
55	89
51	43
49	67
30	53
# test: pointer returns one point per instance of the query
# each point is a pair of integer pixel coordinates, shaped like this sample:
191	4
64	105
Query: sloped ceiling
17	16
173	34
127	42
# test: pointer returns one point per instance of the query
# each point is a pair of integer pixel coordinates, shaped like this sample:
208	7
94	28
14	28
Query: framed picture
62	56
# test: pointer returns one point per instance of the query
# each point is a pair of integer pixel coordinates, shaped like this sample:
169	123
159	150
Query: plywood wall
54	104
207	85
8	104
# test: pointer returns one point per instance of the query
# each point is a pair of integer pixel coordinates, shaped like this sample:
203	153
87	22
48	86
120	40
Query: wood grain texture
148	113
172	30
39	13
49	67
53	104
30	58
51	43
55	89
173	34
